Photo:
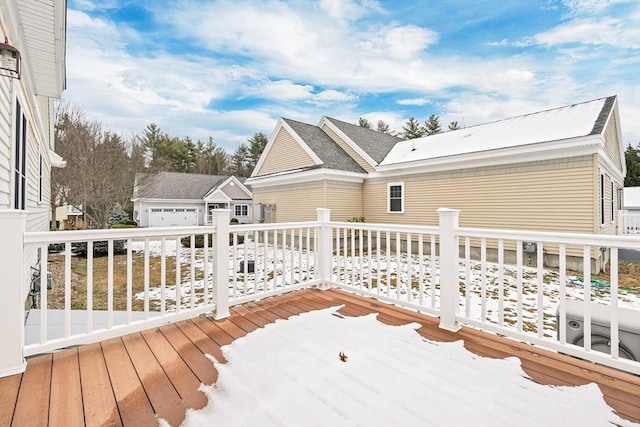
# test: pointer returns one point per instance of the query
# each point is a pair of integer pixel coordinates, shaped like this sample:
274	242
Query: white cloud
413	101
596	31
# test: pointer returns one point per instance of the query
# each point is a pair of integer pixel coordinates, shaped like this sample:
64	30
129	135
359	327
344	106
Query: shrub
199	240
234	221
100	248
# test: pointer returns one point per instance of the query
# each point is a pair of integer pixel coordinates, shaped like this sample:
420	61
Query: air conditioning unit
628	328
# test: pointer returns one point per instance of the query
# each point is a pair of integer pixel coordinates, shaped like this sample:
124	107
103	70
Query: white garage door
169	217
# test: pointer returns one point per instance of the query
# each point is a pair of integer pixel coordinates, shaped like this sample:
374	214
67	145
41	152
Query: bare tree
100	169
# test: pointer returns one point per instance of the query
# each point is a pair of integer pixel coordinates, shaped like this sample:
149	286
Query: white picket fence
496	280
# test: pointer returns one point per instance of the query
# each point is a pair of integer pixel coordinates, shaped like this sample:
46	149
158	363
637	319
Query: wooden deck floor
127	381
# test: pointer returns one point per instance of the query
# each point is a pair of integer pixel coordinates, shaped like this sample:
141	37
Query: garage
171	217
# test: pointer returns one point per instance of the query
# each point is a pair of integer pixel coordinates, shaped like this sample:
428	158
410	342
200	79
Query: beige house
556	170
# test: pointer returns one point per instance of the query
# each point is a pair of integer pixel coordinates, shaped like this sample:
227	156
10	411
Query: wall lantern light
9	60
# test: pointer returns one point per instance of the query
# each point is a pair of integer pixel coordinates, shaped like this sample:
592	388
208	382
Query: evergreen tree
240	161
632	158
432	125
454	125
257	143
384	127
364	123
412	129
117	215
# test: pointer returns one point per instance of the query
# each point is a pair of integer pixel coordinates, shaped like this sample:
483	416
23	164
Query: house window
395	197
40	179
20	161
241	210
613	205
602	200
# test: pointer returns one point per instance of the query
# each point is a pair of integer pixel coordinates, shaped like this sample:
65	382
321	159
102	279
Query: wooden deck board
9	388
133	403
100	408
32	406
66	390
161	392
131	380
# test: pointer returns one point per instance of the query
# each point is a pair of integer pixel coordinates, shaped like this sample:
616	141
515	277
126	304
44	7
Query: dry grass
100	280
628	275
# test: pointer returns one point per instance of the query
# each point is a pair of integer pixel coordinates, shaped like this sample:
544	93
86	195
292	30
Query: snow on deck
551	125
289	374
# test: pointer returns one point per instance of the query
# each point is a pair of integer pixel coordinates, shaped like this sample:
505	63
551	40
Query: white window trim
235	209
612	188
20	154
602	210
393	184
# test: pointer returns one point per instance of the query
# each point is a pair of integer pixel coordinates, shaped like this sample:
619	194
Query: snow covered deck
134	379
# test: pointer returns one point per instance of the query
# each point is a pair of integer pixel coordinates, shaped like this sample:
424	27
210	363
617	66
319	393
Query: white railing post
12	289
324	247
621	221
449	291
220	270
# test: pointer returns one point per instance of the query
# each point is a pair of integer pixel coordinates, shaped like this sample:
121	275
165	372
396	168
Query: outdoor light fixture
9	60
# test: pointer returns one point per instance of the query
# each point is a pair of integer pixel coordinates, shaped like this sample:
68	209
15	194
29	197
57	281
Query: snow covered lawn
403	284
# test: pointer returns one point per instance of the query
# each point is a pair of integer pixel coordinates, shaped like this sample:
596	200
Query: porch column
13	291
324	248
220	218
449	292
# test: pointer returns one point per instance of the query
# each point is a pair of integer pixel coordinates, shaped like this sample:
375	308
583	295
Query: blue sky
228	69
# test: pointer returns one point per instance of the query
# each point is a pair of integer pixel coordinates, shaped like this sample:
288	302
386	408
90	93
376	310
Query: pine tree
117	215
412	129
384	127
364	123
257	143
632	158
432	125
454	125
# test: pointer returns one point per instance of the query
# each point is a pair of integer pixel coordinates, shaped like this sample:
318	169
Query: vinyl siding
299	202
346	147
234	191
554	195
285	154
6	154
611	143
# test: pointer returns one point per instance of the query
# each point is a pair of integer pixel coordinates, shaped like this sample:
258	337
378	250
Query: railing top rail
241	228
601	240
113	234
386	227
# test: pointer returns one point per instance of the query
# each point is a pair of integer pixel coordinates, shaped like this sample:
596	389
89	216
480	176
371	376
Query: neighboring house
36	29
179	199
556	170
69	217
631	200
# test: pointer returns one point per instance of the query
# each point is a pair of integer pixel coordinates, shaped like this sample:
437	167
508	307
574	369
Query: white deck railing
628	223
514	283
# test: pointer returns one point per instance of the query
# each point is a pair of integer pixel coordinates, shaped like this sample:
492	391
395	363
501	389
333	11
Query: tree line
102	165
412	128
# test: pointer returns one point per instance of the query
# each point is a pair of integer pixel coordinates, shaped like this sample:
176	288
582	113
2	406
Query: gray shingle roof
376	144
333	156
176	185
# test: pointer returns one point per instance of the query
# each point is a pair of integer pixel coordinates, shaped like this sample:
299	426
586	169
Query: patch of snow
289	374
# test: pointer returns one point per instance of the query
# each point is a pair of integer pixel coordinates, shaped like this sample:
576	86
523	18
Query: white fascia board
217	195
348	140
282	124
616	116
308	176
610	166
531	153
55	159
